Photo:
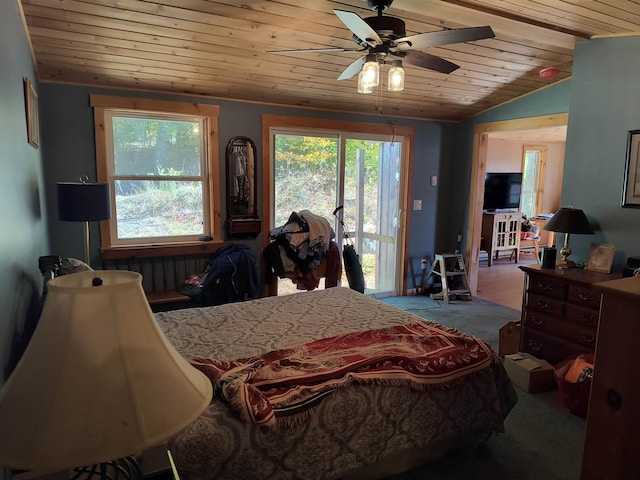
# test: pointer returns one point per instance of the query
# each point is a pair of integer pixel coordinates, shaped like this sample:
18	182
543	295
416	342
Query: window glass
157	158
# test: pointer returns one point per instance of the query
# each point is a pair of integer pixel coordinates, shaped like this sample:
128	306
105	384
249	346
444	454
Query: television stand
500	232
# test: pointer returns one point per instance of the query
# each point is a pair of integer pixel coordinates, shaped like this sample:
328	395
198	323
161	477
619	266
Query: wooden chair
531	239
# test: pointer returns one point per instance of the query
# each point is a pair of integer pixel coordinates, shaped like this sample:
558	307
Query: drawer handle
586	296
587	337
589	318
614	399
543	286
543	305
537	321
535	346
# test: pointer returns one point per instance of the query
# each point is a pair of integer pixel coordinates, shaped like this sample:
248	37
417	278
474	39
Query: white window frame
105	107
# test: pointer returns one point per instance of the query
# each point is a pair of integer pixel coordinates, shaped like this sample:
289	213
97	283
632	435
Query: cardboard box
531	374
509	338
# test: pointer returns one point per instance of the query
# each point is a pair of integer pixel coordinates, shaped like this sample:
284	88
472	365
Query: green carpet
541	441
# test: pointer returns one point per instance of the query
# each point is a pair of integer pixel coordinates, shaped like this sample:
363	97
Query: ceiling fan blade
359	27
431	62
444	37
318	50
352	69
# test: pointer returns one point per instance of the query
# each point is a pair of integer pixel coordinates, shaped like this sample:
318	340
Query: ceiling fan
385	36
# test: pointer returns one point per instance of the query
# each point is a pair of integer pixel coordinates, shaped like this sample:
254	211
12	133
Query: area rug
477	317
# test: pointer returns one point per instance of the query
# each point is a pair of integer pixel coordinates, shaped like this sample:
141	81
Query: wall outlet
423	264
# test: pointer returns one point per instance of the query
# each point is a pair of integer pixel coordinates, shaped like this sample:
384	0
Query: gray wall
604	106
69	153
23	217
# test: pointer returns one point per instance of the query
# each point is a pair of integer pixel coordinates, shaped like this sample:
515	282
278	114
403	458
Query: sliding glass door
319	171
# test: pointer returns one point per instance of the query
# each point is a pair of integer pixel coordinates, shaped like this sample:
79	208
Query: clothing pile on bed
304	251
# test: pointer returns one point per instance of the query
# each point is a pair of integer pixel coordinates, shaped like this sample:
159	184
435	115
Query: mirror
242	216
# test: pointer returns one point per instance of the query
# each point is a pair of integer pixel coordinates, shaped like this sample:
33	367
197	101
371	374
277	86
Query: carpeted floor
541	441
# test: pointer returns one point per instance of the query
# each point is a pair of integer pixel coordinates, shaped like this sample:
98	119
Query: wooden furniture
613	420
560	311
529	241
453	277
547	237
500	232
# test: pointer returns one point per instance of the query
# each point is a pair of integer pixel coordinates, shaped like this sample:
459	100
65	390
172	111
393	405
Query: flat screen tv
502	191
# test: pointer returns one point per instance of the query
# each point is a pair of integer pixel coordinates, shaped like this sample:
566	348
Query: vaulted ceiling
220	49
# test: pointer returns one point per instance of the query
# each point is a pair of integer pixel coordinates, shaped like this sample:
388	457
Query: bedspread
351	427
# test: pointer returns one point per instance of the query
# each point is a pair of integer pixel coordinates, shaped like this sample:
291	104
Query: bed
369	428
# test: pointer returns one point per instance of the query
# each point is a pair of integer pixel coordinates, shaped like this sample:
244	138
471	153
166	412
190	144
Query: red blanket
289	381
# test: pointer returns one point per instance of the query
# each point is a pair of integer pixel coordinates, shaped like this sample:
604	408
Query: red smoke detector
550	72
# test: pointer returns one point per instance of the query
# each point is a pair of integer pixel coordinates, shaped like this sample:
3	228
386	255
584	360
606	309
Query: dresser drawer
582	315
558	327
584	295
552	349
548	286
541	303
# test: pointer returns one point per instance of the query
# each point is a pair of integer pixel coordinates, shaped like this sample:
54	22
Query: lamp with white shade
99	380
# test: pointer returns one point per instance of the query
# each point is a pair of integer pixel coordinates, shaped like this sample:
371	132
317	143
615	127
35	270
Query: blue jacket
231	276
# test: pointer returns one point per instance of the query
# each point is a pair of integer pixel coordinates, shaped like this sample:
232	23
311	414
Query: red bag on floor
574	383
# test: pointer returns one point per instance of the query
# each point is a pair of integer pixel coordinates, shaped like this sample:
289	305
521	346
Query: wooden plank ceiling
219	49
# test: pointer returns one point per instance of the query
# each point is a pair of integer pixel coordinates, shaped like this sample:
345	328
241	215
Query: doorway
363	167
524	129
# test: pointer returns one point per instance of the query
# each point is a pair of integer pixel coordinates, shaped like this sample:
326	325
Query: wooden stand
453	277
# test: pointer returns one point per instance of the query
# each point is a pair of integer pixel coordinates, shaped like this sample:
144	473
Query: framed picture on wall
33	117
631	188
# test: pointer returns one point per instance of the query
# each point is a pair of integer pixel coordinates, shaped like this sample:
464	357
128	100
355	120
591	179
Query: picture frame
600	257
631	187
33	116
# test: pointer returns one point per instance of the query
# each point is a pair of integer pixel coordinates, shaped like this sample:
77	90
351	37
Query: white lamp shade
98	381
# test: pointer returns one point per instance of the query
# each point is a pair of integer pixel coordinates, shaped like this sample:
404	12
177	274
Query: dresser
560	311
613	421
500	232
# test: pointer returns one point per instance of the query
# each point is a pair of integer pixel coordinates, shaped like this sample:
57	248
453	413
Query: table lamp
84	202
98	381
568	220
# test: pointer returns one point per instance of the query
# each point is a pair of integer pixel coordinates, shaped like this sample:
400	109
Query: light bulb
396	77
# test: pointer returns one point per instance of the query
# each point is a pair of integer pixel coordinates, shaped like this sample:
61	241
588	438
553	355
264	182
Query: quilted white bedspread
349	429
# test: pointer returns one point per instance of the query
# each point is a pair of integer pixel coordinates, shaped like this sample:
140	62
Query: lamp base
126	468
564	263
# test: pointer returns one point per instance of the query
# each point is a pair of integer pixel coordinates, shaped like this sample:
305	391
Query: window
160	159
533	166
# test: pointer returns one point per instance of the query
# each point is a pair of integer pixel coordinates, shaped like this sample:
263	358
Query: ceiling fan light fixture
396	77
370	72
362	87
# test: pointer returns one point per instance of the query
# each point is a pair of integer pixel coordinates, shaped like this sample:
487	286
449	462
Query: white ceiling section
219	49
